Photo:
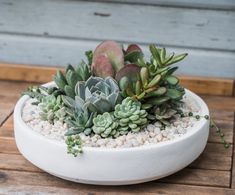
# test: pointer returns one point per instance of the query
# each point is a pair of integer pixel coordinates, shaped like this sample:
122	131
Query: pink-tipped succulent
108	59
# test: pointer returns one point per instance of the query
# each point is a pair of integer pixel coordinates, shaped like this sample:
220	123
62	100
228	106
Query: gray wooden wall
57	32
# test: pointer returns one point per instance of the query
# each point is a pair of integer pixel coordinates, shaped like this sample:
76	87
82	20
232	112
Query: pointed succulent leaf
89	121
60	80
79	102
177	58
80	89
82	70
68	101
163	54
89	55
171	70
71	78
155	53
69	67
69	91
169	58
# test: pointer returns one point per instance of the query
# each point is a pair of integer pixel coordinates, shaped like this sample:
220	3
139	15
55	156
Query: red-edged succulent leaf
102	67
131	71
133	53
133	47
114	53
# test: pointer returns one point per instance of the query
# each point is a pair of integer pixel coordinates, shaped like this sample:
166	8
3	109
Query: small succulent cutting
115	92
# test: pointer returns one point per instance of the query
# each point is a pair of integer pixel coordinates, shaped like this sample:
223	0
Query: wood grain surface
212	173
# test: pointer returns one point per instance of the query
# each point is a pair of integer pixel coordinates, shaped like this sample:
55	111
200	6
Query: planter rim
193	130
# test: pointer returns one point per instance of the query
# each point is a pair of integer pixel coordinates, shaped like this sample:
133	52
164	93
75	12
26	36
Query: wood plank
220	103
16	162
212	29
200	177
222	115
227	129
197	63
207	4
143	189
10	93
8	145
209	86
6	130
214	157
28	73
40	74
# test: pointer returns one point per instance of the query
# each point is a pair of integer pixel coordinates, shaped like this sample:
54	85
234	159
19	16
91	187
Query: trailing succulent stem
74	145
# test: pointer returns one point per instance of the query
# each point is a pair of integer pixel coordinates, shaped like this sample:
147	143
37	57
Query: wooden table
212	173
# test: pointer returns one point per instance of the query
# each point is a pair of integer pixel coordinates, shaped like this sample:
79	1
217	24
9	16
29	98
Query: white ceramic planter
105	166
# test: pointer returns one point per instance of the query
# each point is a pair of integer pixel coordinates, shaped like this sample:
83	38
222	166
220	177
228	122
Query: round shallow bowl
112	166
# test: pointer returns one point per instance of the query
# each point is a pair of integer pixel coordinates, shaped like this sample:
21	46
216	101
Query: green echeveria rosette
52	108
105	125
130	115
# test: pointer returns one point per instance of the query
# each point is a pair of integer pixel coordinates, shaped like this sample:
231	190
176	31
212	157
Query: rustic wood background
49	32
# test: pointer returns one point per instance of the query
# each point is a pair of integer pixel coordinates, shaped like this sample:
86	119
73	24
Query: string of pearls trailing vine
212	125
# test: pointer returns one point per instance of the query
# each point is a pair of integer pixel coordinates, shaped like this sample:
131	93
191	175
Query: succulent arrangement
116	91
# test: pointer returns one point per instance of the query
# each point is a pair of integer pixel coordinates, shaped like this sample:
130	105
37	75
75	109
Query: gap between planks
42	74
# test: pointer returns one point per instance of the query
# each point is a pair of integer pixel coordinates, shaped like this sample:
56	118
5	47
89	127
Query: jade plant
115	92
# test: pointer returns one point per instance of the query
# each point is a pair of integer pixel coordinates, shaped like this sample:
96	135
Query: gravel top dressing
153	133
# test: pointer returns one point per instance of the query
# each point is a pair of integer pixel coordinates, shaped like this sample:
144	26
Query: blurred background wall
58	32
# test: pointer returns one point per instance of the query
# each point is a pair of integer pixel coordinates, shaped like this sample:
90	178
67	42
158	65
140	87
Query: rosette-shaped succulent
131	116
163	113
80	118
105	125
52	108
100	95
67	82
